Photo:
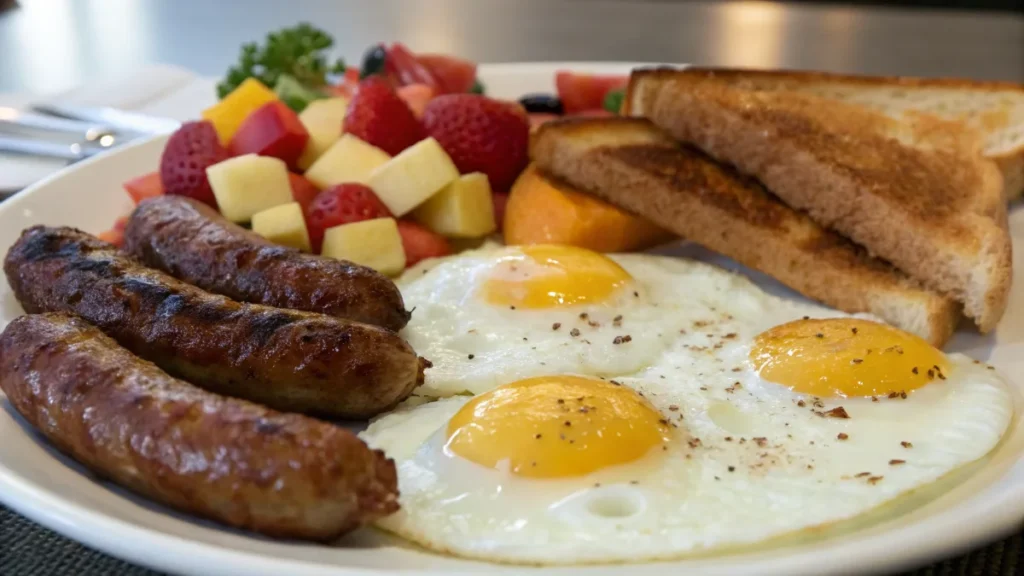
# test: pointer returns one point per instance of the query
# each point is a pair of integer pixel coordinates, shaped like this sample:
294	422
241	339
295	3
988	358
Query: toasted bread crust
917	194
758	78
991	118
632	164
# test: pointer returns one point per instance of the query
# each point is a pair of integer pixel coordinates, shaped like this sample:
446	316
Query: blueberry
542	103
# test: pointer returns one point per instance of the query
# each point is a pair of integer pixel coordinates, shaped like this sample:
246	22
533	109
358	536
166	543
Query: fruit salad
385	164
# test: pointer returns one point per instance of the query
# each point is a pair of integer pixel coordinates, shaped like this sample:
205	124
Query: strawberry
144	187
579	92
416	97
481	135
341	204
378	116
420	243
454	75
303	191
402	64
188	153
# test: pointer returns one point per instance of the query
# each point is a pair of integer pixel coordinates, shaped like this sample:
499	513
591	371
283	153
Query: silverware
29	124
72	152
72	133
112	118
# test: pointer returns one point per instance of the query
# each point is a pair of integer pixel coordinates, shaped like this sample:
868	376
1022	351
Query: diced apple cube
284	225
347	160
323	120
462	209
374	243
247	185
407	180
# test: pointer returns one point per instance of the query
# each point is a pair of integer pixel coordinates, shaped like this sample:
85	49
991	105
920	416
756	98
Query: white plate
47	487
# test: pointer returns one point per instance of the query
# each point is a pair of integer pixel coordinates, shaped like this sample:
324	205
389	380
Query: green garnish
613	101
299	52
295	95
478	87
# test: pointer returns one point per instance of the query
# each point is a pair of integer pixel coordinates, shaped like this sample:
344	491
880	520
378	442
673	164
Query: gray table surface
55	45
52	45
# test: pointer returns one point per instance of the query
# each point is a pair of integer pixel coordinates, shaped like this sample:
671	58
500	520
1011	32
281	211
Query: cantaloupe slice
541	211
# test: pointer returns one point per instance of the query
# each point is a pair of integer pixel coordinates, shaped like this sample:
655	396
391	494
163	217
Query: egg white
475	346
745	465
750	460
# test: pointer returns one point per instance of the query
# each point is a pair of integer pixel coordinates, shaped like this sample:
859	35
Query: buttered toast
916	193
994	109
632	164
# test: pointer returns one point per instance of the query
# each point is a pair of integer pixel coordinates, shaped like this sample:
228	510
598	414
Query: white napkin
158	90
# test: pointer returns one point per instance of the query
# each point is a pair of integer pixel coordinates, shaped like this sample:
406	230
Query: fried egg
567	469
497	315
726	418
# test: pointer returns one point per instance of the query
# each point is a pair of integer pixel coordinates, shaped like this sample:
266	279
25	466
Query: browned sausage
192	242
289	360
236	462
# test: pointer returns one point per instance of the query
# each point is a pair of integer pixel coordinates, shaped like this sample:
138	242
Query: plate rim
933	537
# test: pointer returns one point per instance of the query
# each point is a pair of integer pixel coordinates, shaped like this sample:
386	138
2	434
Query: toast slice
916	193
994	109
632	164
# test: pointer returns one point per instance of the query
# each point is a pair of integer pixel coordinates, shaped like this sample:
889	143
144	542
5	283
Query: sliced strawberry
378	116
481	134
580	92
500	199
402	64
341	204
189	152
416	96
454	75
303	191
144	187
420	243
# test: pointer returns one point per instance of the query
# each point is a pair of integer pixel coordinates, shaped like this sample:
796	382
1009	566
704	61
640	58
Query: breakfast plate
967	508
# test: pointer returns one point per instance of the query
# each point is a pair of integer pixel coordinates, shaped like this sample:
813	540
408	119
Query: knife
70	152
112	118
27	123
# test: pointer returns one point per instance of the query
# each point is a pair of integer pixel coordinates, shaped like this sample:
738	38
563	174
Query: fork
72	133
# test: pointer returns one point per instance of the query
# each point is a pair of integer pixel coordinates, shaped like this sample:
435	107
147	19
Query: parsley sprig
299	52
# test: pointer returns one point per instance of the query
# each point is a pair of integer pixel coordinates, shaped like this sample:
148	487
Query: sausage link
283	475
287	359
192	242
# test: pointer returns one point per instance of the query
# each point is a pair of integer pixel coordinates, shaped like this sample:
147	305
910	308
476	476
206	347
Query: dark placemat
28	549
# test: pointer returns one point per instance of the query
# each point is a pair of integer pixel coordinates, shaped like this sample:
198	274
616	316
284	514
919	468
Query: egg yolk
846	357
556	427
546	275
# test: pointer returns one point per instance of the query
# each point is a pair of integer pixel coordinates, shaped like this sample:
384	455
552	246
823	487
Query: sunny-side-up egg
497	315
731	438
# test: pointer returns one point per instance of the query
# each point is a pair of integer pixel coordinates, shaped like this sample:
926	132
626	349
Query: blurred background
49	46
158	57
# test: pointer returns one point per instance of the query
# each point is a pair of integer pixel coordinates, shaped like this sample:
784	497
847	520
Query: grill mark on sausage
196	244
241	464
288	359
